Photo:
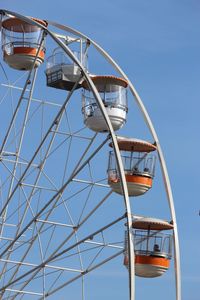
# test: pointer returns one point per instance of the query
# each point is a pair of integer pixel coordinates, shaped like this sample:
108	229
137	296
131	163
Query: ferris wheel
71	170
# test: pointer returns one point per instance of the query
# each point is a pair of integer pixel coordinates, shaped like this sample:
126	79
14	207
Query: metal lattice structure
57	219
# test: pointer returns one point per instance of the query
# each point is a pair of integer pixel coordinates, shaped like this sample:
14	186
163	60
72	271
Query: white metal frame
117	153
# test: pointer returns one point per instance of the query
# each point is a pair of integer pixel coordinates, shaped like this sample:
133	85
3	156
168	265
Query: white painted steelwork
56	196
149	123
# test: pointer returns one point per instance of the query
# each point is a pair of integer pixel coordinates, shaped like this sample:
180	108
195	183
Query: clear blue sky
157	44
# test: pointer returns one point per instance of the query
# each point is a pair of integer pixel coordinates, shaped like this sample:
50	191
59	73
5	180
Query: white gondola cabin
113	93
153	249
62	72
139	166
22	43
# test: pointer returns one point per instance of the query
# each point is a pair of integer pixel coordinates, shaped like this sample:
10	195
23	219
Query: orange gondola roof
133	145
148	223
18	25
102	80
